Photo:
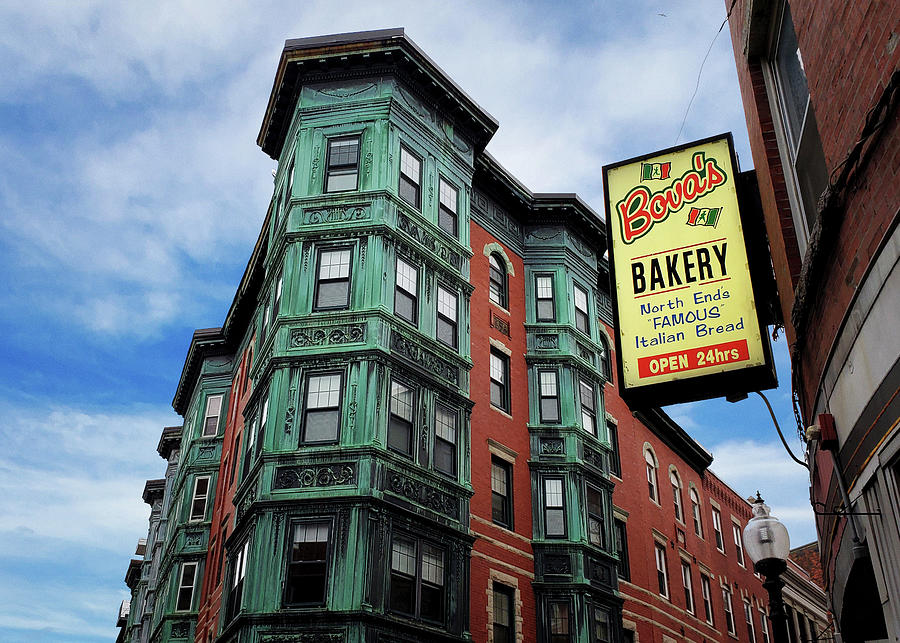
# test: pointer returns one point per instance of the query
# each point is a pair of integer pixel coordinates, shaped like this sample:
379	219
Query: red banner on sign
694	358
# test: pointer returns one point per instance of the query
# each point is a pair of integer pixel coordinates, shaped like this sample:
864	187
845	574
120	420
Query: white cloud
749	466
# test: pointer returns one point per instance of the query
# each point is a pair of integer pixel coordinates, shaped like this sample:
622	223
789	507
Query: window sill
501	411
499	307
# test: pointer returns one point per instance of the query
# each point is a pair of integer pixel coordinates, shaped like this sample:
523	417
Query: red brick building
820	85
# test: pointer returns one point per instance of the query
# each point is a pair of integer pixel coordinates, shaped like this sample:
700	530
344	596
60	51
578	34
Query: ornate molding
327	335
345	92
328	475
337	214
494	212
427	360
557	565
289	419
180	630
306	637
582	248
599	572
193	538
423	494
552	446
206	453
429	241
585	353
594	458
500	324
546	342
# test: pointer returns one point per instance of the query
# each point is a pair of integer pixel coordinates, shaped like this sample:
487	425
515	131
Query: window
400	425
546	309
764	626
582	320
250	432
342	165
706	591
307	572
738	546
662	573
447	315
623	569
748	616
615	461
717	528
333	283
410	177
791	625
729	612
499	380
549	396
211	417
498	286
264	324
501	492
554	508
238	572
448	197
695	512
504	623
289	190
687	583
559	621
651	475
276	303
186	580
676	495
322	414
588	407
199	498
406	293
417	579
803	153
445	422
261	431
596	521
601	626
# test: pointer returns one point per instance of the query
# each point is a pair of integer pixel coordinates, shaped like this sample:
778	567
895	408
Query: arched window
604	359
695	512
676	495
499	282
651	475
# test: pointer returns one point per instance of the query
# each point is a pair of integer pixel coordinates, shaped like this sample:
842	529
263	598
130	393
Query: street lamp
768	545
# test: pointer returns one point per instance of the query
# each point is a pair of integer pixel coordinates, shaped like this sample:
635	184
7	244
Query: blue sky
132	190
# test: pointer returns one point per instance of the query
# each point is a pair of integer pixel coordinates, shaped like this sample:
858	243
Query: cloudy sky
131	192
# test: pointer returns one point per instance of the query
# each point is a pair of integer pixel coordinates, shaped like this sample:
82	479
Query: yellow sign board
684	300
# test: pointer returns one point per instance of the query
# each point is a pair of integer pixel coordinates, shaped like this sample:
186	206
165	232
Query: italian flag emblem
704	216
655	171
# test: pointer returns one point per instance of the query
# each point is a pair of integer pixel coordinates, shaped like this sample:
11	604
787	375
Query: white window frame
687	583
195	496
662	570
717	529
738	544
706	593
182	586
209	414
729	611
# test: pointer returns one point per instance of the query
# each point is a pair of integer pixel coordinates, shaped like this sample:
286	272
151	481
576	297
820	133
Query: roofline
319	49
204	343
676	438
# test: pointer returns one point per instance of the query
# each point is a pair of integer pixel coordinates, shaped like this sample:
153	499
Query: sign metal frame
710	385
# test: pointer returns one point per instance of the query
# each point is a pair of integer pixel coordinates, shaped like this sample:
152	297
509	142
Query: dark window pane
545	310
447	221
409	191
556	524
446	332
432	602
549	410
444	456
321	426
497	395
405	306
400	435
334	294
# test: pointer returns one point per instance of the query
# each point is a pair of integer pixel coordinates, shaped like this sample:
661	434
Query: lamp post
768	545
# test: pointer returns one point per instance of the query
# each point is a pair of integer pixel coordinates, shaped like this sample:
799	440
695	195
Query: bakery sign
687	326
